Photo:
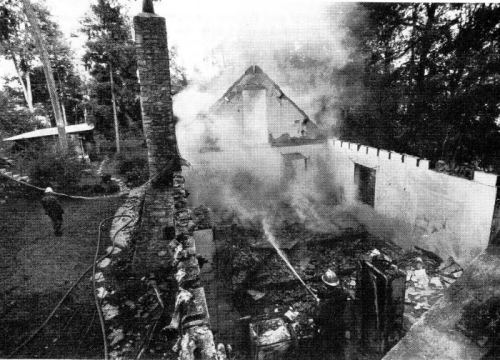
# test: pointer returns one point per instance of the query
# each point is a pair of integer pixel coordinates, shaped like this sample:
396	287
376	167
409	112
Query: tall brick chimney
158	228
156	100
159	131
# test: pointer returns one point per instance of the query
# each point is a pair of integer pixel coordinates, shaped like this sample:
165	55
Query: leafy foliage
110	46
60	171
18	46
110	50
134	168
423	79
69	84
14	118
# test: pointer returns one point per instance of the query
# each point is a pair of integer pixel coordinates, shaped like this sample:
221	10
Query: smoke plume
297	44
240	178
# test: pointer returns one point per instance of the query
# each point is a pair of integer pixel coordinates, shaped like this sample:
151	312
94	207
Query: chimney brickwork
166	239
156	100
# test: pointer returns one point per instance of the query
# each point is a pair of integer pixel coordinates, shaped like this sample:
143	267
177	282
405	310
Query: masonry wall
319	161
281	117
449	215
166	228
154	81
452	215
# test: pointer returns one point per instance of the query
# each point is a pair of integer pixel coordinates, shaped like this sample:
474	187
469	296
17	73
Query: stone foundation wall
195	333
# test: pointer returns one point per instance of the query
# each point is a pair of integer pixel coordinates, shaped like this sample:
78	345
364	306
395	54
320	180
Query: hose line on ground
76	197
96	259
91	267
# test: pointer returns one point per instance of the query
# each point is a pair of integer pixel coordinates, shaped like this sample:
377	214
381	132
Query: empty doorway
364	178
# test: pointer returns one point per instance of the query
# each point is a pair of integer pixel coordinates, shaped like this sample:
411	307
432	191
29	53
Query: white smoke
225	36
296	43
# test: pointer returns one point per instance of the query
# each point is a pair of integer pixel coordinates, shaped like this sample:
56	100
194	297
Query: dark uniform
54	210
331	323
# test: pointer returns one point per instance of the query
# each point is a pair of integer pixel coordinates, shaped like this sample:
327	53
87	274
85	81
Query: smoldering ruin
280	201
261	234
264	175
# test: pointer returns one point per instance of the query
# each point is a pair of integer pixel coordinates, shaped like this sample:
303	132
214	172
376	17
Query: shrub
62	172
112	188
134	168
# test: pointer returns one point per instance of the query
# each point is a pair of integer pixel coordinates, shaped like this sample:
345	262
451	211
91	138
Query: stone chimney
165	223
156	100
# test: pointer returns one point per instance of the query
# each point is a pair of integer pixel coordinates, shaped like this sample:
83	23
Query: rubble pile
255	262
256	269
201	218
427	276
269	332
265	285
139	308
298	302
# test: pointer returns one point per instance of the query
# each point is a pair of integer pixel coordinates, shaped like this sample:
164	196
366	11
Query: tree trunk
64	115
49	76
115	115
28	89
27	94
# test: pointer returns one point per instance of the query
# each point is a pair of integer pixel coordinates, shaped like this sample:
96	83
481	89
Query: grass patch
38	267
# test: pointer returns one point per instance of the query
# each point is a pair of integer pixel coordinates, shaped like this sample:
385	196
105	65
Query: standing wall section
446	214
452	215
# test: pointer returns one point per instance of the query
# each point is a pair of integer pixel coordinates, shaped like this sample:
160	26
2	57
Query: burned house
275	137
263	112
180	274
392	202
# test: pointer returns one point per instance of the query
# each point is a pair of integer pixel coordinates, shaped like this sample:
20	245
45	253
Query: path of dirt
36	268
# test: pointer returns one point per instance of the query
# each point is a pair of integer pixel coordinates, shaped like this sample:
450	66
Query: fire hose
96	259
91	267
272	241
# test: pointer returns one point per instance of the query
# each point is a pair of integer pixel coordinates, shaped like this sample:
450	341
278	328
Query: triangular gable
255	78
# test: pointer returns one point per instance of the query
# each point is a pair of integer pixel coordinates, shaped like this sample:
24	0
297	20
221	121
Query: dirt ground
37	268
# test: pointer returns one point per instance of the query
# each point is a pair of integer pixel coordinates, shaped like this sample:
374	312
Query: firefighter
330	317
53	209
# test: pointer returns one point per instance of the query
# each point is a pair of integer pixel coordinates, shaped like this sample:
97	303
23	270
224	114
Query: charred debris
263	288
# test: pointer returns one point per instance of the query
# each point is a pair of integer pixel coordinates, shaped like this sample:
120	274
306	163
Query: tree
17	43
110	58
110	46
15	119
422	79
68	82
44	57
